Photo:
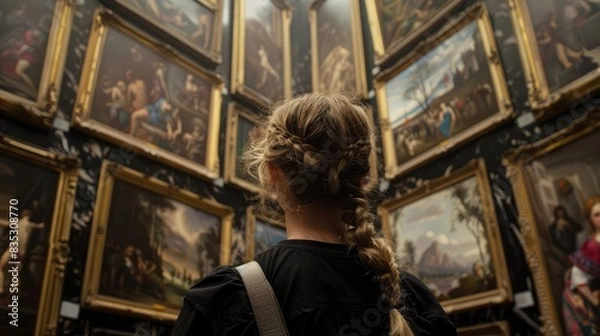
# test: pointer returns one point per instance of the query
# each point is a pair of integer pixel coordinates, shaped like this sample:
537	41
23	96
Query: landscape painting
335	39
155	246
262	233
402	20
447	91
188	20
261	71
144	96
444	237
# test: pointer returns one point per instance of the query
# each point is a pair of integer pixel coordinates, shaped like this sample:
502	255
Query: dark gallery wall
490	147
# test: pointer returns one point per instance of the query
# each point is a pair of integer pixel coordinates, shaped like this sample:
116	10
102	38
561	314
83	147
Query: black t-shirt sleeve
423	310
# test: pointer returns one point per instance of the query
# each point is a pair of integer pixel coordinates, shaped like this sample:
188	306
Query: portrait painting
560	48
154	244
243	129
150	99
261	71
569	165
401	21
32	56
336	42
34	191
262	233
190	21
441	96
447	236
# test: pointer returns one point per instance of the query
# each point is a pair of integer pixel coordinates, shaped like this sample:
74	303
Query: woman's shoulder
420	306
219	288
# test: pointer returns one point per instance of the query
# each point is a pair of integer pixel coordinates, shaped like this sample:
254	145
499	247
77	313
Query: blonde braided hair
322	143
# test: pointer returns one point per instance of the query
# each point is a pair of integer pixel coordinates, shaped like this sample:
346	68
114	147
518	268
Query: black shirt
322	290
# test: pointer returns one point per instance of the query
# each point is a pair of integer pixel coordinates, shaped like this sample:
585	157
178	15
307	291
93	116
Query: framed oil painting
448	91
242	129
552	216
37	191
135	92
196	23
261	69
337	49
262	233
396	23
33	48
500	328
150	242
446	233
560	49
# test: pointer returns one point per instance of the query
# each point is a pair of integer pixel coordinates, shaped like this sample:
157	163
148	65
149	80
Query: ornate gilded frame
231	161
213	53
238	85
111	171
82	120
43	110
542	101
515	163
381	54
477	169
476	13
58	243
357	47
499	328
251	217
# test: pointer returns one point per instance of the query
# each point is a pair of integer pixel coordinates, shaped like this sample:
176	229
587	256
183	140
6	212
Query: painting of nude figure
262	72
187	20
148	98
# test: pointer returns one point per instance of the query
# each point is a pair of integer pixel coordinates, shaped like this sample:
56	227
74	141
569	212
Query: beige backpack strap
267	312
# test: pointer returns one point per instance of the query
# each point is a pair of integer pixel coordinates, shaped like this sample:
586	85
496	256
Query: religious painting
261	69
33	45
262	233
560	49
37	191
396	23
135	92
194	22
150	243
556	183
446	233
443	95
243	128
337	53
499	328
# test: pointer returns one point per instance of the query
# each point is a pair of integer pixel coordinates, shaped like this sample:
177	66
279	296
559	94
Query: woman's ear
273	174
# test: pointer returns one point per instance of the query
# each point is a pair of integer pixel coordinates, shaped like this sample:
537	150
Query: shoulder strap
267	312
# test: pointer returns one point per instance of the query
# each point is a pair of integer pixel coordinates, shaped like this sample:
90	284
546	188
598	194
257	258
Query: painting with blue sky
156	247
445	92
267	235
442	238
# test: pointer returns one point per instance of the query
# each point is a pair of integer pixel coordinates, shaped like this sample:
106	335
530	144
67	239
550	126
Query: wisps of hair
323	143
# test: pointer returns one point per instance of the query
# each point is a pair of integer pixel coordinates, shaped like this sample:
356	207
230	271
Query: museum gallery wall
126	116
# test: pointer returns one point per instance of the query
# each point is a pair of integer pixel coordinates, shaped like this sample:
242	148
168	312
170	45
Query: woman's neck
315	222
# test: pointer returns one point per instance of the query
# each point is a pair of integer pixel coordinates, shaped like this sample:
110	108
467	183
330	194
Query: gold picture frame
178	86
204	39
455	279
41	108
271	232
239	119
57	213
275	82
396	44
525	168
347	57
547	94
167	205
423	123
499	328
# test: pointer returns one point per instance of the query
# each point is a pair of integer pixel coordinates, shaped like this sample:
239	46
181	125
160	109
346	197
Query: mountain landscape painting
442	239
